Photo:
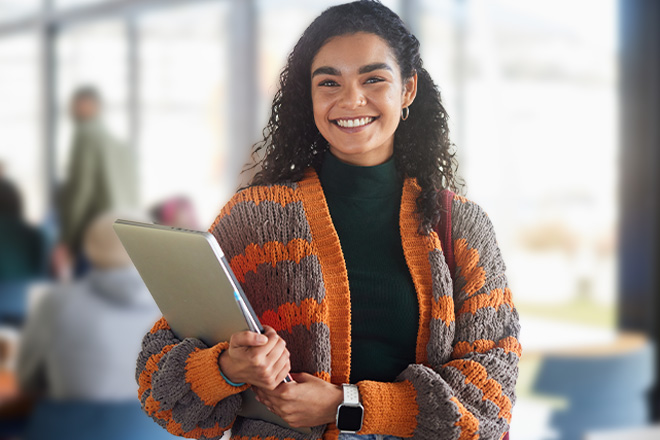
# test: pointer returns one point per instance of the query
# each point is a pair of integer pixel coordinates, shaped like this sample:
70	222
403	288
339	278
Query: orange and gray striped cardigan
285	252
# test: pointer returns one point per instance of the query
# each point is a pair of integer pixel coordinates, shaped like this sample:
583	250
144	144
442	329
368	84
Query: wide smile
354	124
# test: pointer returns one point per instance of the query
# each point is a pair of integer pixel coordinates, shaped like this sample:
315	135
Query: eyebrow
327	70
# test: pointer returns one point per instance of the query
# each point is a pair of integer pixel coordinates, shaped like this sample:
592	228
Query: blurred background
553	109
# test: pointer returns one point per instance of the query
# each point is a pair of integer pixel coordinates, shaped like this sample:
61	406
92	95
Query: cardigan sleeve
472	394
180	385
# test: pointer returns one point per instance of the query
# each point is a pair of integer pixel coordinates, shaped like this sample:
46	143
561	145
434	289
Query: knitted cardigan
286	254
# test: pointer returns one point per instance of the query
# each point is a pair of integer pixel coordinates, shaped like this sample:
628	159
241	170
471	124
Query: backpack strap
443	229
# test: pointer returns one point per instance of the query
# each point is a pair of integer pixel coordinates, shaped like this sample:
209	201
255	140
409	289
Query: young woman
334	246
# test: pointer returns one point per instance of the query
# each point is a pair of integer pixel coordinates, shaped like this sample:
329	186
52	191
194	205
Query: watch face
350	418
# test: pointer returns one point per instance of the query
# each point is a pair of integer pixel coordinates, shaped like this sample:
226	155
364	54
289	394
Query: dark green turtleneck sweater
364	204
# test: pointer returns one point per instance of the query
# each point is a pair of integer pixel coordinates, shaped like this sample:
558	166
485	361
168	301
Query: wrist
336	400
224	363
234	384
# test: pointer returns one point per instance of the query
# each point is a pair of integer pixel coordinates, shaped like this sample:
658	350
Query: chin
356	151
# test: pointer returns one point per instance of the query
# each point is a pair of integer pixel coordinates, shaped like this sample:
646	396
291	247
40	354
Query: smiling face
357	95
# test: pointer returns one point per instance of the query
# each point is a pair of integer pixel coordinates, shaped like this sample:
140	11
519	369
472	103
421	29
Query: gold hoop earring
405	112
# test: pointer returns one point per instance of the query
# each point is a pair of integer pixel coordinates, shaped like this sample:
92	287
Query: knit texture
282	245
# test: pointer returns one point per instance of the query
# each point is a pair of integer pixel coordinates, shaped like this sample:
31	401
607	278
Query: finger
276	360
273	406
266	401
277	351
260	394
281	363
260	355
248	339
283	372
257	392
263	396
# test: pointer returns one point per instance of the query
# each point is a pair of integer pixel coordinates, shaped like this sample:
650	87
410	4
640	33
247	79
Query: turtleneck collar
359	182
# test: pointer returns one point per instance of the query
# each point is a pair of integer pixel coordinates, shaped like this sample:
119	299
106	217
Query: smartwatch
350	413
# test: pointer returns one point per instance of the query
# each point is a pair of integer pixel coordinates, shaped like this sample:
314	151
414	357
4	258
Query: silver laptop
192	283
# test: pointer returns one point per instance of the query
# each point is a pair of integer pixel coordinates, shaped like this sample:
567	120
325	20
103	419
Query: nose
352	97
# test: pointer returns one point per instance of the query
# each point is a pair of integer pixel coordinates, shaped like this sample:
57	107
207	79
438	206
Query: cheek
319	119
390	103
320	103
320	108
392	113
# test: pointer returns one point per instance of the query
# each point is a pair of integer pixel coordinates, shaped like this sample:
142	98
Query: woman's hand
309	401
260	360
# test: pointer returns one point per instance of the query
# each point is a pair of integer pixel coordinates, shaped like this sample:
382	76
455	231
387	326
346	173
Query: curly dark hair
422	149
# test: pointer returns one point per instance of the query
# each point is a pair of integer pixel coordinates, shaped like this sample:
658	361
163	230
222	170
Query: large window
96	55
62	4
184	142
21	155
17	9
532	94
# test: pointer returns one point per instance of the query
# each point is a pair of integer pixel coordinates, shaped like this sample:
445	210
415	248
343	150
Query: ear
409	90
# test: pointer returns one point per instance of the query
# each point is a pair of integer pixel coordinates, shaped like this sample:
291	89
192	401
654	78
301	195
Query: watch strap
351	394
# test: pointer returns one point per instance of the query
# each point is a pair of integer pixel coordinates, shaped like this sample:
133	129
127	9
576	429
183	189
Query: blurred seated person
81	342
101	177
176	211
23	255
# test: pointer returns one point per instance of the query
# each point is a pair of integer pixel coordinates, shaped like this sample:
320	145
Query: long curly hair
292	142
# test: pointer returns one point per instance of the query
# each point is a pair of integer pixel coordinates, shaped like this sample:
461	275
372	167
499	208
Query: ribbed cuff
389	408
204	376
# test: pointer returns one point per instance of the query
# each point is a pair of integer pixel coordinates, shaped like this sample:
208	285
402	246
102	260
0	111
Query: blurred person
22	246
335	247
80	342
23	256
176	211
102	176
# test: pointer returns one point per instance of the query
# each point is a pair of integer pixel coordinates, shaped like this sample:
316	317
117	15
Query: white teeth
350	123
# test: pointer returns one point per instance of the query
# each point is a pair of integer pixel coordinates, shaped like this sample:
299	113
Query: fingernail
262	339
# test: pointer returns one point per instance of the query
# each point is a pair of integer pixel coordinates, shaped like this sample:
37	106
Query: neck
349	180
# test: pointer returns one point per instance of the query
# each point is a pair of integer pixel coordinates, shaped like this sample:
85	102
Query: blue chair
13	302
604	391
55	420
